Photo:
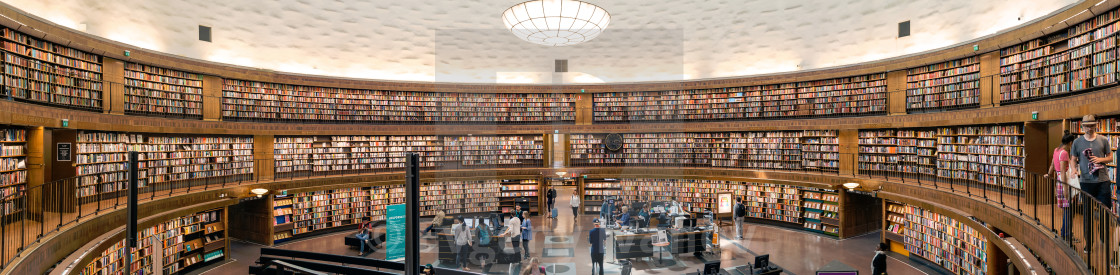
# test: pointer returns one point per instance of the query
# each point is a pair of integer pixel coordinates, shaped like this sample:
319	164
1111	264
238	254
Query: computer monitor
711	268
762	261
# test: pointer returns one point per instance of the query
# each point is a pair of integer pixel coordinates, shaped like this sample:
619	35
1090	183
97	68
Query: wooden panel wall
854	218
254	221
989	79
212	98
112	91
849	147
263	167
584	109
896	92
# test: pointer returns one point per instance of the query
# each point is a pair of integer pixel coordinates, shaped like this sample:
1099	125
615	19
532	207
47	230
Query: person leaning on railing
1060	168
1089	154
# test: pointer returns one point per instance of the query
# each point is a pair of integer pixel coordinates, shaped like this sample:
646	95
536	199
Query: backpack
740	210
484	235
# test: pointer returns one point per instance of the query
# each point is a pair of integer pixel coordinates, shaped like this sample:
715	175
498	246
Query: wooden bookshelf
261	101
194	241
1107	127
460	197
878	151
812	209
296	154
781	150
527	191
820	150
988	154
507	150
113	260
953	245
596	191
101	159
865	94
822	210
1078	58
43	72
13	168
985	154
947	85
152	90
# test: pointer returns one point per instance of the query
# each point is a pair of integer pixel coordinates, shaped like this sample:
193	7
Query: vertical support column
584	105
989	80
567	141
997	260
412	221
212	98
263	166
546	157
849	147
112	90
896	92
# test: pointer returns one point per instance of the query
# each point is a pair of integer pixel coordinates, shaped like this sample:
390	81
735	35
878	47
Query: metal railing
38	212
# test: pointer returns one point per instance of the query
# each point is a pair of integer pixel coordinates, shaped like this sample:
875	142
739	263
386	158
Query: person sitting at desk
624	218
643	216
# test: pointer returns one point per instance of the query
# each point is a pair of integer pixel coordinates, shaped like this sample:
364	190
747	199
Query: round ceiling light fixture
556	22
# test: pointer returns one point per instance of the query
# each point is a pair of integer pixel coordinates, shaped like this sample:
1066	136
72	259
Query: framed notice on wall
62	151
724	203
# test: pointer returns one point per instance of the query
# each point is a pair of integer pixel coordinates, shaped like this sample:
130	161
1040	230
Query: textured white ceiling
463	41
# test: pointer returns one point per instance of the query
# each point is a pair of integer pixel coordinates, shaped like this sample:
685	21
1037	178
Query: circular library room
559	137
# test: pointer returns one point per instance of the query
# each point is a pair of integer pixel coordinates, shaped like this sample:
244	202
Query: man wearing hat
1091	153
597	236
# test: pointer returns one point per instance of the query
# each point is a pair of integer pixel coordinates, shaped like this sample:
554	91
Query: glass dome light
556	22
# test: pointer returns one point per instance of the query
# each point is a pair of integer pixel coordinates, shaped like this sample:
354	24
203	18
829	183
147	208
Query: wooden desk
629	246
687	241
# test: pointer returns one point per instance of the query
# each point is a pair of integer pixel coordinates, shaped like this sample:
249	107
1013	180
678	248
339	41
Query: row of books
945	241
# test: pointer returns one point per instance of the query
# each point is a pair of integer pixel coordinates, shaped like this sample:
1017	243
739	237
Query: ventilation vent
204	33
561	65
904	29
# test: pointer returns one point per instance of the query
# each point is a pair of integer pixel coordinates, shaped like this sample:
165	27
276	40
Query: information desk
688	241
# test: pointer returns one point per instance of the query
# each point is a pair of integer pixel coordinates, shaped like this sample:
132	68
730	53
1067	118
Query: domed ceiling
465	41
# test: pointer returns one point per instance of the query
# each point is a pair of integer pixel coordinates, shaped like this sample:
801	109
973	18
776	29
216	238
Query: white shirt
513	227
575	201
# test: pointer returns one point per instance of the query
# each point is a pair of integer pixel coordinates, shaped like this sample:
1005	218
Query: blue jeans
1065	222
362	239
462	256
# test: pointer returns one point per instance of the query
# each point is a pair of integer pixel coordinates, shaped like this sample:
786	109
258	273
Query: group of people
1080	163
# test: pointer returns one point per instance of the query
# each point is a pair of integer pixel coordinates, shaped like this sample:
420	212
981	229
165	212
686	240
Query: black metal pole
133	173
412	221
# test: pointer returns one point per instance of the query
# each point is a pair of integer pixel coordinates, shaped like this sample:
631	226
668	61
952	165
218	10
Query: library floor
561	246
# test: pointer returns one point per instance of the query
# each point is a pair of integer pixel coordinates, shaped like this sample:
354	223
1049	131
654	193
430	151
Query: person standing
513	231
739	213
879	262
596	237
551	196
1090	153
575	205
1059	166
526	233
462	243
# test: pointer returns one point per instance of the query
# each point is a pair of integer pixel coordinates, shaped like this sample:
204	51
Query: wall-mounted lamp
561	174
259	191
851	186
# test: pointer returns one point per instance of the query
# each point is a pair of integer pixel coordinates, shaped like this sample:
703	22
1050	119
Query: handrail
40	218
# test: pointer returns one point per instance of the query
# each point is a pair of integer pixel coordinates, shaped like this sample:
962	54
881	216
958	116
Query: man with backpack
551	196
740	212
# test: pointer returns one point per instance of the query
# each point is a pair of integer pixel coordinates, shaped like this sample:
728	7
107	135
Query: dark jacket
879	264
597	236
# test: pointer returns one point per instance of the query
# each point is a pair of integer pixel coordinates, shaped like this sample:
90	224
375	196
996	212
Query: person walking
462	243
1090	153
596	238
574	201
1059	166
526	233
879	262
551	196
739	213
